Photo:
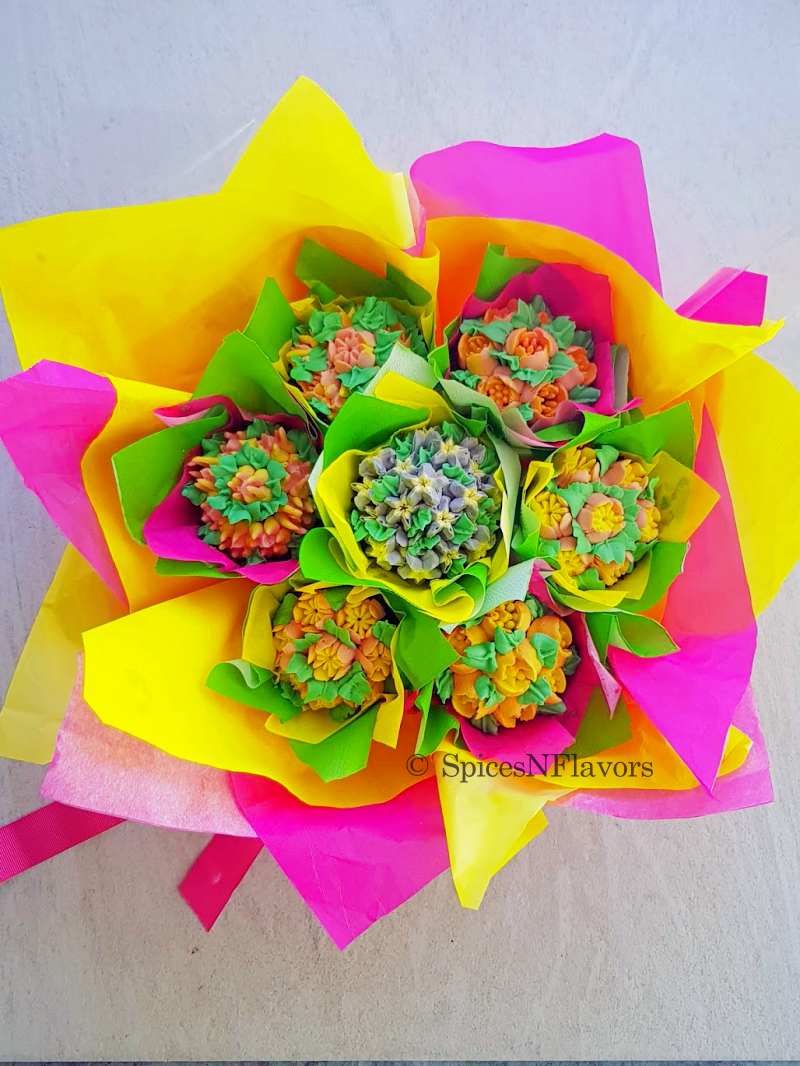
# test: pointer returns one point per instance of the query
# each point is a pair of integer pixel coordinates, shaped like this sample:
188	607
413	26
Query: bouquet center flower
514	663
428	504
598	514
251	488
333	650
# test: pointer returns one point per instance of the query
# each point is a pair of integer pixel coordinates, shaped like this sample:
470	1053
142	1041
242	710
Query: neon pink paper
734	297
49	415
595	188
101	769
215	875
45	833
351	865
749	786
706	680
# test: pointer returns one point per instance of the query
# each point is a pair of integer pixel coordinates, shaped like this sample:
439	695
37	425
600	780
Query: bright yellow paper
40	688
145	674
148	292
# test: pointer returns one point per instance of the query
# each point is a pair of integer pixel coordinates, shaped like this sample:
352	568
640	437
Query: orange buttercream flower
547	399
533	347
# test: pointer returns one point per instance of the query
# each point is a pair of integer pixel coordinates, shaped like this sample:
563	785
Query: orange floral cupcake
513	663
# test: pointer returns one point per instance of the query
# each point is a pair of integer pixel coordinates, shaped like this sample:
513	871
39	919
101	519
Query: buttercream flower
351	347
501	387
375	658
601	518
533	347
512	664
312	610
329	658
554	515
358	616
547	400
576	464
509	615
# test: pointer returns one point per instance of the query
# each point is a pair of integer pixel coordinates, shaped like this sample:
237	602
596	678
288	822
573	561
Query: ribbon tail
215	875
46	832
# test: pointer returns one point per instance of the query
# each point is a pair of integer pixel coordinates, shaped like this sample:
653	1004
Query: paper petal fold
595	187
350	866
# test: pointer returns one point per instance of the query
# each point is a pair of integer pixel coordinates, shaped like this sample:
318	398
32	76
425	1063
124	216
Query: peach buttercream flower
547	399
601	517
533	347
351	347
375	659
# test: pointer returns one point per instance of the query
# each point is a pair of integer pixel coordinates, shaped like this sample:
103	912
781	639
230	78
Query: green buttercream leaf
505	640
383	631
358	377
546	649
354	686
480	657
486	691
337	631
336	596
298	667
283	615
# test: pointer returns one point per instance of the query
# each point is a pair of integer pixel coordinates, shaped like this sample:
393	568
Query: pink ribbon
216	874
47	832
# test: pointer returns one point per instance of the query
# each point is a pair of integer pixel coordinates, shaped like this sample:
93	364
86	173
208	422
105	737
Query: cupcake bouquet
409	519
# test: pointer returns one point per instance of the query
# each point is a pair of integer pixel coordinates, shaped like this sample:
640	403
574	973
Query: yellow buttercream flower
575	464
359	618
312	610
554	515
610	573
648	520
511	615
329	658
571	562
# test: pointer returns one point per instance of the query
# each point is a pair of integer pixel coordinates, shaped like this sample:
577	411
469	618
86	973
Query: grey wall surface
604	939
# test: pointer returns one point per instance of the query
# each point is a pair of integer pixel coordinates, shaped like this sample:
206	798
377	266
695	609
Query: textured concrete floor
604	939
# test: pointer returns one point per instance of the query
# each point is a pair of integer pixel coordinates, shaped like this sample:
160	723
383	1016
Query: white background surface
604	939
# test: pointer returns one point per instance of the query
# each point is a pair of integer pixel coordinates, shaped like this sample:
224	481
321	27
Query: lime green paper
497	269
343	753
147	470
